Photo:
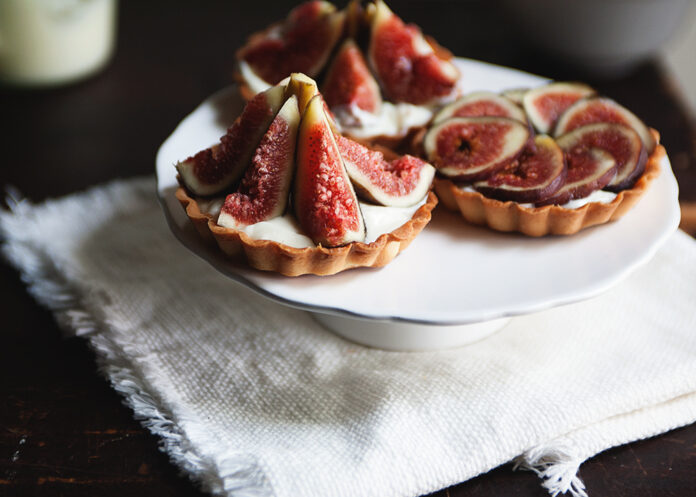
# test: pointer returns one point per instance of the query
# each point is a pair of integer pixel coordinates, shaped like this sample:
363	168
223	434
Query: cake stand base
407	337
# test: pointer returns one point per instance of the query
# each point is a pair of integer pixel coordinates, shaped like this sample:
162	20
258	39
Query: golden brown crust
550	219
268	255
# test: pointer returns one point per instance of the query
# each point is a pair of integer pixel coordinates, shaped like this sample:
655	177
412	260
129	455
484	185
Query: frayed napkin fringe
557	467
232	475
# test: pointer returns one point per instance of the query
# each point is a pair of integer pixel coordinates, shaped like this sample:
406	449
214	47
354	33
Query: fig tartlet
496	171
381	78
292	206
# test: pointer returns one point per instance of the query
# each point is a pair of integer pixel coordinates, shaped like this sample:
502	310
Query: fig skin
481	103
324	200
468	135
263	192
603	110
403	182
215	169
538	173
630	158
579	185
516	95
556	98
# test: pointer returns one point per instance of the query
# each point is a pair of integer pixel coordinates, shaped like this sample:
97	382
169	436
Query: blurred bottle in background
52	42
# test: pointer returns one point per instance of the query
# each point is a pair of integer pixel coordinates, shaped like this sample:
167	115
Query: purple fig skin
595	178
602	110
542	166
630	157
459	147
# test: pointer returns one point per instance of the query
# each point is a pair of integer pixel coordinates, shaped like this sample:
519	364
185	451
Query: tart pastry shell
269	255
549	219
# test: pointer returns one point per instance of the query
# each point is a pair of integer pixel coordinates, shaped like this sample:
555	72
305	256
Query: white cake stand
456	283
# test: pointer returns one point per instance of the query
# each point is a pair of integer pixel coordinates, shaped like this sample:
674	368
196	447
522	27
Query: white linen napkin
256	399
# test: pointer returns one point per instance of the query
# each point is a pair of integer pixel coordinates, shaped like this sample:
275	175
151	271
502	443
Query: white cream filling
600	196
285	229
256	84
390	120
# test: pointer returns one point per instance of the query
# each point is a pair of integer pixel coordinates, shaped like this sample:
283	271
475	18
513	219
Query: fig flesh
400	183
474	148
604	110
324	201
481	103
302	43
589	169
264	190
544	105
405	63
214	169
622	142
535	175
349	82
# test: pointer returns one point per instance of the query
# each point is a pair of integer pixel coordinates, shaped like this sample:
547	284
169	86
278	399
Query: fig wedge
349	82
215	169
400	183
264	190
603	110
535	175
481	103
305	89
302	43
589	169
405	63
324	201
474	148
544	105
622	142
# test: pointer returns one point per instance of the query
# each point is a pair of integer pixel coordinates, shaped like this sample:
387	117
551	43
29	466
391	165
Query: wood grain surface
63	430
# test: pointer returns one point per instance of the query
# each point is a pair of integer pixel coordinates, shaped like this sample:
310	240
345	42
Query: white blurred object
46	42
606	37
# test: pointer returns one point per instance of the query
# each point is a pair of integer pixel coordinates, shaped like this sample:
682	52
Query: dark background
63	431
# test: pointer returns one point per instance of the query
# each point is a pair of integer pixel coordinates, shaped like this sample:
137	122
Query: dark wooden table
63	431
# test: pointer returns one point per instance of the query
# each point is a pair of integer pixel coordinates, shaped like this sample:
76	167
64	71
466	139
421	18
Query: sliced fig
474	148
515	94
349	82
405	63
264	190
481	103
324	200
535	175
400	183
305	89
214	169
589	169
544	105
622	142
603	110
302	43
